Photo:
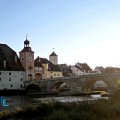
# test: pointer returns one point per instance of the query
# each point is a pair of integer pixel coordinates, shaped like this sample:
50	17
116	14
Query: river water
16	102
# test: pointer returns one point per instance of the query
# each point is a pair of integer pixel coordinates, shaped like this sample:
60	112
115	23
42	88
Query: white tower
53	58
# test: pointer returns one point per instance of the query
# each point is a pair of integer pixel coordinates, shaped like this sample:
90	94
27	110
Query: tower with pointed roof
53	58
26	56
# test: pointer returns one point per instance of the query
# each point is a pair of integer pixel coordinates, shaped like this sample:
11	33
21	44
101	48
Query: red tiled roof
27	49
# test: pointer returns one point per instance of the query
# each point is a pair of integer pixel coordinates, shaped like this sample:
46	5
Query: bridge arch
60	86
33	88
96	85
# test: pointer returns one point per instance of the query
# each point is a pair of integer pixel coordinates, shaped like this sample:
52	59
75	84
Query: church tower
27	60
53	58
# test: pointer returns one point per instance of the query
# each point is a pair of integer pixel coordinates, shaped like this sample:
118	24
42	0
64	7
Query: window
11	85
30	58
0	79
40	68
58	74
36	68
22	58
0	73
21	79
21	86
9	79
9	73
54	74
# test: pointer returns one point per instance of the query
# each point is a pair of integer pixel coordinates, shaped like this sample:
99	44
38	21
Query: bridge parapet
77	82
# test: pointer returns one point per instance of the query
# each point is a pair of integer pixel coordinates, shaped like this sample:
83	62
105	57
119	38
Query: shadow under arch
33	88
60	86
96	85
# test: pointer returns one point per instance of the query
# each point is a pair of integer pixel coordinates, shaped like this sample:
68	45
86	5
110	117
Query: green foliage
94	110
58	115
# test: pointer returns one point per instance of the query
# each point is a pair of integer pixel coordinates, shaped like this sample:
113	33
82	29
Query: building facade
81	69
26	56
38	69
12	73
51	70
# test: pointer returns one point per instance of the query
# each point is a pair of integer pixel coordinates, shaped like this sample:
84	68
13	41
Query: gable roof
51	66
100	69
8	54
65	67
83	66
37	62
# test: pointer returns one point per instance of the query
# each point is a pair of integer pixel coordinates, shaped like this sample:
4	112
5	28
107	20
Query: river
14	103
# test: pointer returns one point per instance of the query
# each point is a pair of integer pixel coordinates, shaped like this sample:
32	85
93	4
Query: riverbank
12	92
92	110
99	109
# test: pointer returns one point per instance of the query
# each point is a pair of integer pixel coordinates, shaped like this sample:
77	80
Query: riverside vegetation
101	109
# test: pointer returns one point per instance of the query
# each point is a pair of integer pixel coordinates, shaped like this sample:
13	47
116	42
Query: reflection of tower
53	58
27	60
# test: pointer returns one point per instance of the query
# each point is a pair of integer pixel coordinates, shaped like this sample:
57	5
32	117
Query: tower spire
26	35
26	42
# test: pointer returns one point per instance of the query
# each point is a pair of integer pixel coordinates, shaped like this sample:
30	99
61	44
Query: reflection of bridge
81	83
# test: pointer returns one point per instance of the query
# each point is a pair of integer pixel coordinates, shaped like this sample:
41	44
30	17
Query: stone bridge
82	83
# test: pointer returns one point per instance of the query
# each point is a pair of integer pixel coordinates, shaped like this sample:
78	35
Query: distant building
38	69
51	70
99	70
12	73
26	56
81	69
66	71
109	70
53	58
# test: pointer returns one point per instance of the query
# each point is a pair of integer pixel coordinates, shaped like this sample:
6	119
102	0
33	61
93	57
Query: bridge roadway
80	83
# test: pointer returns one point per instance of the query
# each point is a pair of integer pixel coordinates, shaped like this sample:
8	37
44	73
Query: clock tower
26	56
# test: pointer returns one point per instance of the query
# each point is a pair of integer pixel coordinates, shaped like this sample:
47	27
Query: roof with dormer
83	67
51	66
8	54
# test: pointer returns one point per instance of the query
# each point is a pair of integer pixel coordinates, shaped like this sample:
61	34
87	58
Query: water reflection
67	98
17	102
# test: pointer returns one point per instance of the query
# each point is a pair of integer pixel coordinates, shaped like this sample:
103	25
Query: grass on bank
94	110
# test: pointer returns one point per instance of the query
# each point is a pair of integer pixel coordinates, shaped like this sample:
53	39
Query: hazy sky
85	31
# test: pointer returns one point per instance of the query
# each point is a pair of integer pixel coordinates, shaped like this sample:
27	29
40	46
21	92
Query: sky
84	31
